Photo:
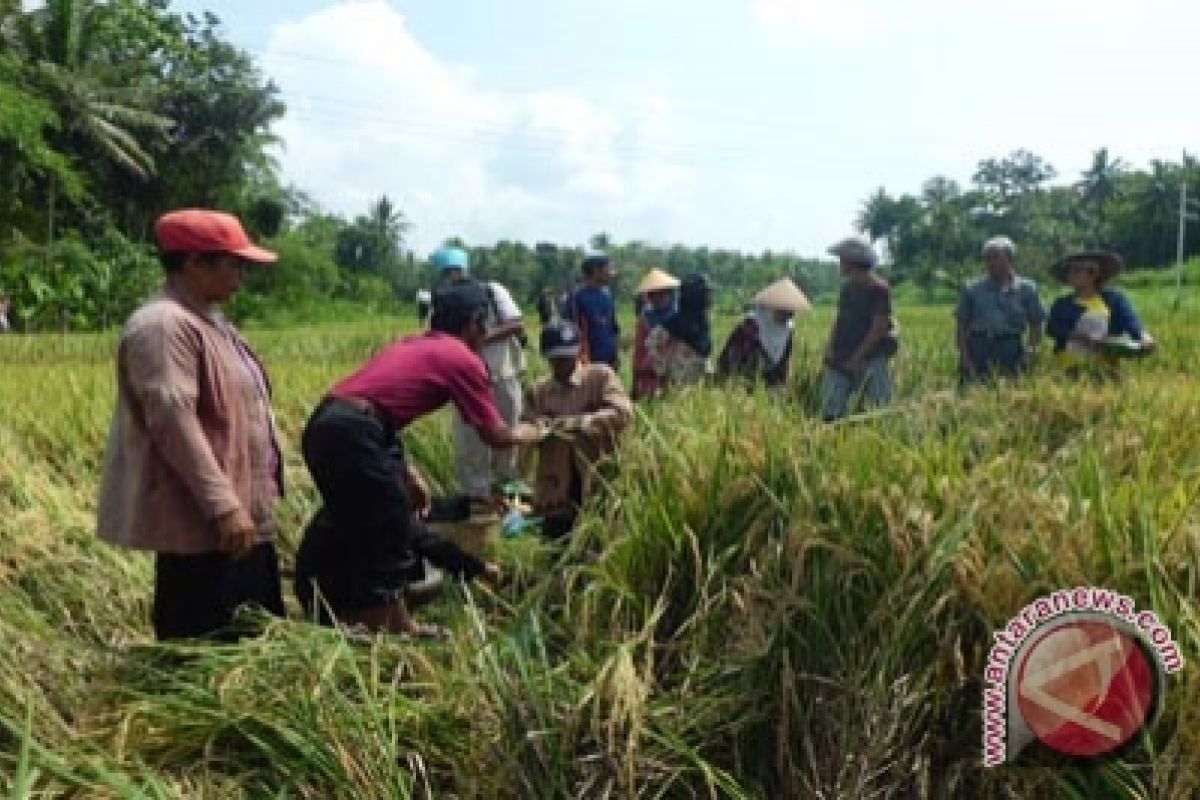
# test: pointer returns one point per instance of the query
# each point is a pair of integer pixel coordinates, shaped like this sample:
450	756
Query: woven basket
474	535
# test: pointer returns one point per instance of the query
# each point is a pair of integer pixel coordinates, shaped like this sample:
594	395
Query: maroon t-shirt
857	305
418	375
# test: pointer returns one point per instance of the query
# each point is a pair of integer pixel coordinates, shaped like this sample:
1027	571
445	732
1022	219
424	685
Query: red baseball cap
198	230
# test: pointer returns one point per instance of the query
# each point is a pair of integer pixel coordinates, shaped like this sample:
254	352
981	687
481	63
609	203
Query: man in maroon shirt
367	542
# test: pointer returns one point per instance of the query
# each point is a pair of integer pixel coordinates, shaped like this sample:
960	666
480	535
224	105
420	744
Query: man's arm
505	331
880	324
1037	318
508	315
616	409
499	437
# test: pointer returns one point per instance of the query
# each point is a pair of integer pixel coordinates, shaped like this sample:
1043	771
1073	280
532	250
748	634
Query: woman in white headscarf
762	344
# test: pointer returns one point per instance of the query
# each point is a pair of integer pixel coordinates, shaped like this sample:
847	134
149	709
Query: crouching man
587	408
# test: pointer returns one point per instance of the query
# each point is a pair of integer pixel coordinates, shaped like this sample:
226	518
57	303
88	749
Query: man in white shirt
475	463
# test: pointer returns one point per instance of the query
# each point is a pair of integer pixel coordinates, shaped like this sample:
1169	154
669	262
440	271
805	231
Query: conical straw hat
657	280
784	296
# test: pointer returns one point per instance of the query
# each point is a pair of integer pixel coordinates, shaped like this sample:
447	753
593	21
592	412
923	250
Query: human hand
529	433
236	533
591	424
491	574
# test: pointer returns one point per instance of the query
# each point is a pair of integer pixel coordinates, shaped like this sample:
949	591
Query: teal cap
450	258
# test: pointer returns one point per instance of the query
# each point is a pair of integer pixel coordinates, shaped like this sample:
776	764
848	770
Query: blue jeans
837	388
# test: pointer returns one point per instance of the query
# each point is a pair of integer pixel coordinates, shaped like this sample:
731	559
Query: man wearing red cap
193	468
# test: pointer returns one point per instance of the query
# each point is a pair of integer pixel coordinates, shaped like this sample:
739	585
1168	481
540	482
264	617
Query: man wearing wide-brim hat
1082	321
761	345
863	337
656	298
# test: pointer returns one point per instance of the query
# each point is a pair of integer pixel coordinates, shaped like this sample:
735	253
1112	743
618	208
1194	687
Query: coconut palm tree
64	41
1101	185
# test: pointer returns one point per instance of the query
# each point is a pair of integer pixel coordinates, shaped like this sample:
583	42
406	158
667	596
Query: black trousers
197	596
559	525
366	543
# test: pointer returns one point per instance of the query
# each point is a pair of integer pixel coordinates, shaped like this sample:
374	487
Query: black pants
559	525
197	595
366	544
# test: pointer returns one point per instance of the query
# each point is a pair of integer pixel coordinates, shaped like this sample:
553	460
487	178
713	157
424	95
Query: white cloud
372	111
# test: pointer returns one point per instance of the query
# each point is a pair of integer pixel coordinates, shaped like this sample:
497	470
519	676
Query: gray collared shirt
989	307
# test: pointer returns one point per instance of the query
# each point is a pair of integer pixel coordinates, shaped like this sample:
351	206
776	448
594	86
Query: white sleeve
506	307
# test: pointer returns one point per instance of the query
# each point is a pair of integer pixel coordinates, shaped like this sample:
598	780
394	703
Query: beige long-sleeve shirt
192	437
595	390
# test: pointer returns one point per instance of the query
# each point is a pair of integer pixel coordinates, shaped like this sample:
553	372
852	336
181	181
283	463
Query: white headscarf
772	335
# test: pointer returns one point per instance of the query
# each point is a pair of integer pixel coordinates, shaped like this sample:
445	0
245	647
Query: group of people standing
193	466
1002	321
673	342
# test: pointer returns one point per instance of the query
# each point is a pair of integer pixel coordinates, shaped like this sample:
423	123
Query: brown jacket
594	390
187	440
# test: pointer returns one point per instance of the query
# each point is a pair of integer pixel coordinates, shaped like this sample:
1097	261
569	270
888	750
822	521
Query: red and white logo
1086	687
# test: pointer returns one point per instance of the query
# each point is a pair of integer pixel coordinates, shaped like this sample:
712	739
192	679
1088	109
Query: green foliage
934	239
757	605
71	285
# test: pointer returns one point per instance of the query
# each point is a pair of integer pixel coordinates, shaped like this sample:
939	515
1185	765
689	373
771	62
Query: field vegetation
758	605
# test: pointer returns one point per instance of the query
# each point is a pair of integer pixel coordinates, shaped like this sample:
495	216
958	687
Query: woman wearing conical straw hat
679	349
761	346
656	295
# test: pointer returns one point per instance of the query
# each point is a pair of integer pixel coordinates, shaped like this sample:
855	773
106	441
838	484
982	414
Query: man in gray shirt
1000	318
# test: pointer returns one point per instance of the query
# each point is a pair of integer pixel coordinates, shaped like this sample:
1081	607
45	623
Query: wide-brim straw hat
656	281
1109	263
783	295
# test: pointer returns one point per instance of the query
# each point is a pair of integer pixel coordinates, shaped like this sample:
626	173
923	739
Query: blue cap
450	258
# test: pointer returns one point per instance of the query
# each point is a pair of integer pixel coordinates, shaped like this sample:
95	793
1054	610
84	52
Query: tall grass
755	605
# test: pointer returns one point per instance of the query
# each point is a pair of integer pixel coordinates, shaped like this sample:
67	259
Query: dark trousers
559	525
197	595
995	356
366	544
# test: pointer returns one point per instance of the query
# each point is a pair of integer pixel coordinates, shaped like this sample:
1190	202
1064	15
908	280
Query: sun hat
856	250
1109	263
201	230
560	340
450	258
656	280
783	295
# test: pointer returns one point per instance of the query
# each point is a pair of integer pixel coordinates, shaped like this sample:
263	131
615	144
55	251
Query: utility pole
1186	214
1183	215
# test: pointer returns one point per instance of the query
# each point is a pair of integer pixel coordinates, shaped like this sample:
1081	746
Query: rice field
758	605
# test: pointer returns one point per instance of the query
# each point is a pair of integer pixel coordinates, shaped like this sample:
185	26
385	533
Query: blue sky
740	123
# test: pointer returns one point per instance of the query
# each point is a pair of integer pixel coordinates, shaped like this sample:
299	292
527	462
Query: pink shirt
418	375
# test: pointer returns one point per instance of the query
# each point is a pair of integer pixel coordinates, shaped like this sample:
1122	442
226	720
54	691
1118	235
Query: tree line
933	238
113	112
